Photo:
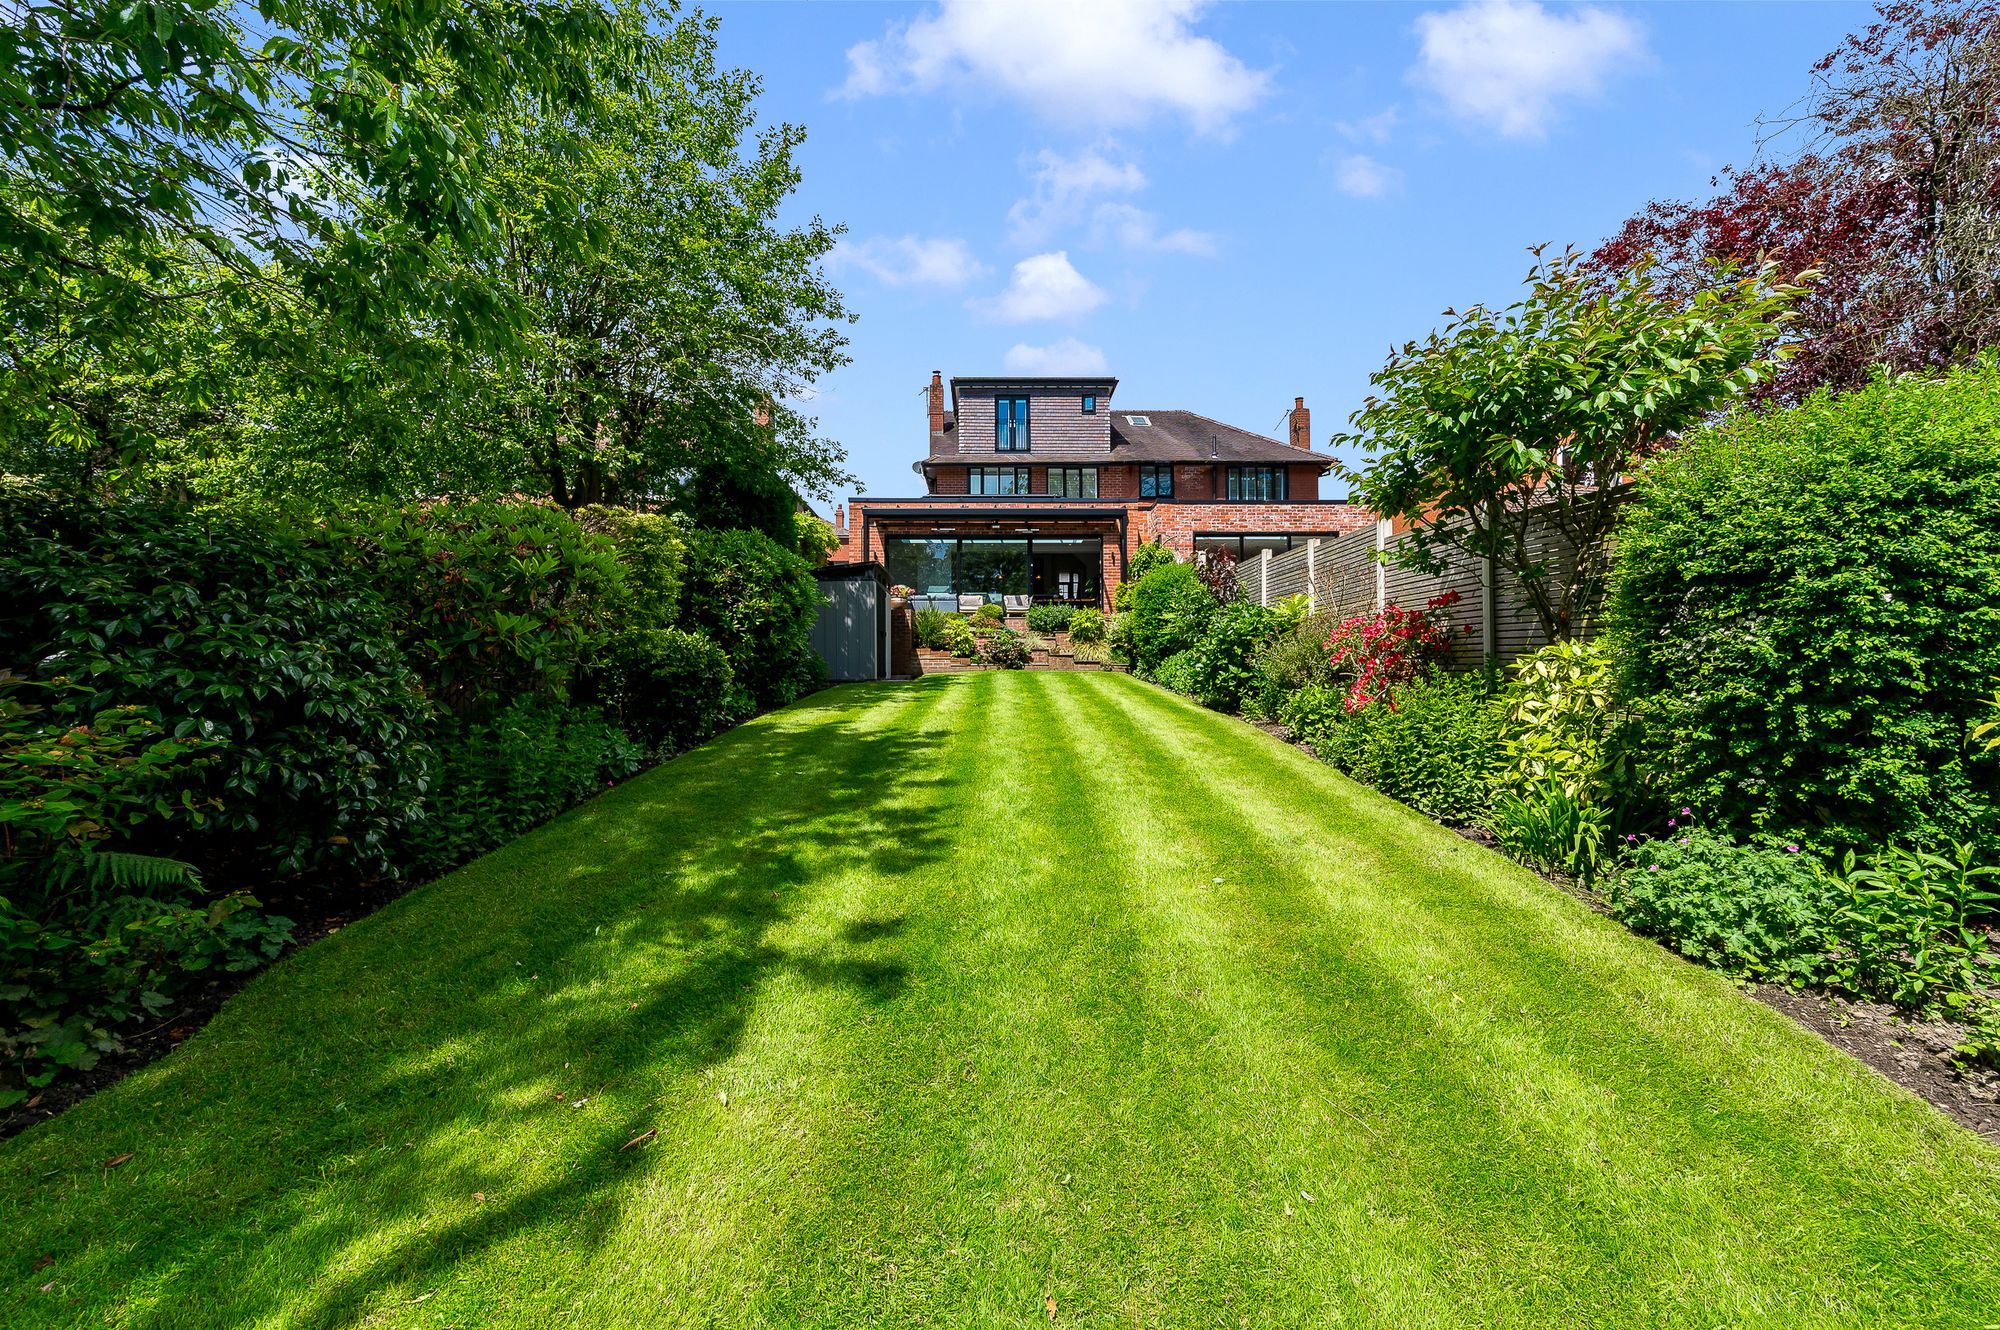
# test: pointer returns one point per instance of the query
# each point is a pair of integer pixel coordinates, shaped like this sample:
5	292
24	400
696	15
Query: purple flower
1631	839
1687	812
1670	822
1791	849
1652	868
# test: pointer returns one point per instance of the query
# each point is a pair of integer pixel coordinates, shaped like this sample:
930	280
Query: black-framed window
1047	567
1156	482
1250	546
1010	424
1090	404
1073	482
996	480
1256	484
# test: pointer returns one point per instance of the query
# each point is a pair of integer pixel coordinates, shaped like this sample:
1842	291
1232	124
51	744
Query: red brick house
1042	487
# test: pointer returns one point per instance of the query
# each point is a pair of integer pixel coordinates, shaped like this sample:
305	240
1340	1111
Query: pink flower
1653	868
1670	822
1687	812
1791	849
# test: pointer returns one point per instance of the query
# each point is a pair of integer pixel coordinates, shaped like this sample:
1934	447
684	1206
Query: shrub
928	628
669	689
92	934
1292	659
1804	608
494	600
1753	912
1006	650
228	627
757	600
501	776
1551	829
1220	660
957	637
1086	628
1903	926
1218	573
1144	560
1170	610
1379	651
653	554
1051	618
989	612
1178	672
1434	748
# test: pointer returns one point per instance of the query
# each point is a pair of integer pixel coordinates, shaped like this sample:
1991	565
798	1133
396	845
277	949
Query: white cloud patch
1138	231
1068	356
1363	177
941	263
1064	188
1102	64
1045	286
1370	129
1508	63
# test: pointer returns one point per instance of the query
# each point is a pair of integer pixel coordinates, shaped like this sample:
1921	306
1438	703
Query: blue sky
1228	205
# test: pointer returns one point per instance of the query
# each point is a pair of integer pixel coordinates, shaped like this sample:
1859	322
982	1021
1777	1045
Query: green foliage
1904	925
759	601
1051	618
1293	659
1562	724
1221	660
1753	912
1178	673
956	636
501	776
229	628
1551	829
92	935
989	612
927	626
1435	749
1986	734
653	555
1006	650
495	600
1532	405
1170	611
1291	613
1086	627
1149	556
1805	615
1118	635
667	688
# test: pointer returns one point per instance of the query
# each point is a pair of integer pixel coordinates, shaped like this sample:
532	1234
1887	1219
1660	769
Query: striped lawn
996	1000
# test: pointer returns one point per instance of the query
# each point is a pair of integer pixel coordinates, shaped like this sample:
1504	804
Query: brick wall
1057	426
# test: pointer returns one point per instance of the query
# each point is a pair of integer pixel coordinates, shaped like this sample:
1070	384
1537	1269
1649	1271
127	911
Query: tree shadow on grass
334	1109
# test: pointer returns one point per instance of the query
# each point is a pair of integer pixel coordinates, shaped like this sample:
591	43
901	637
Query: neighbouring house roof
1186	436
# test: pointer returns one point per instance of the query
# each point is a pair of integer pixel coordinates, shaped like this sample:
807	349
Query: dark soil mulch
1915	1054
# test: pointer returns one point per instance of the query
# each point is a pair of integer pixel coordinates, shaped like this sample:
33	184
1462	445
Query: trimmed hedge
1806	606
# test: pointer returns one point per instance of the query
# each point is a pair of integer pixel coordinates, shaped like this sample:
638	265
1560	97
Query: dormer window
1138	420
1090	404
1010	424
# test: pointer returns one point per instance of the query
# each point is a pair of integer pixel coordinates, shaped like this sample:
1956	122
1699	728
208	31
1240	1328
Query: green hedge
1806	606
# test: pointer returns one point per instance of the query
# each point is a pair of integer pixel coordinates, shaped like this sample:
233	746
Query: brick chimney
1302	434
937	406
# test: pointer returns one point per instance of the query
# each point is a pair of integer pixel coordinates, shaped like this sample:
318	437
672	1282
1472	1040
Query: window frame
1049	482
1009	413
1090	404
1233	487
1023	481
1154	472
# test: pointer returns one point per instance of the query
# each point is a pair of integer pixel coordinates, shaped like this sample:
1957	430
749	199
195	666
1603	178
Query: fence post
1264	579
1489	608
1312	577
1382	525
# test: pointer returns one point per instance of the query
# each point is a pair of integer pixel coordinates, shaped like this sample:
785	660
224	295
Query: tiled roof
1184	436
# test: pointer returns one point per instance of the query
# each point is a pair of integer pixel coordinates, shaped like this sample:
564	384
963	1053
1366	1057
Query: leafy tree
1533	413
1894	200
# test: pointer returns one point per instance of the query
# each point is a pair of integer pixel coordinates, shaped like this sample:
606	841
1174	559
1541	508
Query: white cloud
1508	62
1137	230
1068	356
909	261
1045	286
1363	177
1372	129
1063	189
1104	63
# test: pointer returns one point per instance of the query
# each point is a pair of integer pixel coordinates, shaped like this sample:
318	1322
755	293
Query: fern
120	871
